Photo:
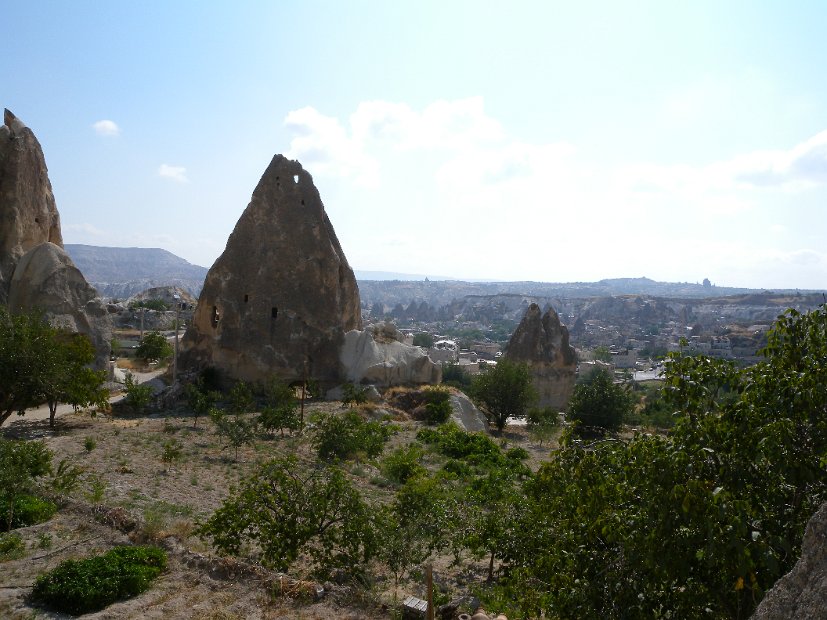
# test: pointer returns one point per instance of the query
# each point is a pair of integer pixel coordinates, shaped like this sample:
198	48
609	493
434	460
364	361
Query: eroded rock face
542	342
46	278
28	215
282	295
376	355
802	592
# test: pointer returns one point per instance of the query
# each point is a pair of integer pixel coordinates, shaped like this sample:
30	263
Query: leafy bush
598	404
696	524
154	346
288	510
353	395
347	435
438	405
474	449
504	391
27	510
281	410
21	463
138	395
83	586
403	464
454	375
12	546
542	423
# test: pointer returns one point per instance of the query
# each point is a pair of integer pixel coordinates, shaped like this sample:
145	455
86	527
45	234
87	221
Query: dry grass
148	500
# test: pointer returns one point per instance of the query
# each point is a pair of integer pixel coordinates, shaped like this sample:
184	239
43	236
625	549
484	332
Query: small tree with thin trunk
504	391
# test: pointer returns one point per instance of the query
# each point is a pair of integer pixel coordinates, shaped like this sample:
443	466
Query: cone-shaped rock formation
542	342
28	215
35	271
280	298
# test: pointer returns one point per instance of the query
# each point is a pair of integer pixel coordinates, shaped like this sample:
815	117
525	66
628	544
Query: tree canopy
598	403
504	391
40	363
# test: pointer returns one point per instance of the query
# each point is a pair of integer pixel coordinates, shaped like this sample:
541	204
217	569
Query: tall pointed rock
35	271
542	342
28	214
280	298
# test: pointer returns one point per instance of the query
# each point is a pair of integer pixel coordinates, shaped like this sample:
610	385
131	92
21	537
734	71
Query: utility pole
175	355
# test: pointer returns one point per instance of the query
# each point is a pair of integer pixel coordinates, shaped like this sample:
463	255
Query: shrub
345	436
83	586
89	443
542	423
403	464
469	449
353	395
11	546
599	404
28	510
438	406
138	395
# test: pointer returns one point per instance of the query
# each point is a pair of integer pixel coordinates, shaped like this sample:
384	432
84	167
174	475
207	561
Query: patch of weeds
97	489
170	428
159	515
89	443
194	480
171	452
66	478
44	540
12	547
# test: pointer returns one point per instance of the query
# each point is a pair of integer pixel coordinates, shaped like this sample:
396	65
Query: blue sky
551	141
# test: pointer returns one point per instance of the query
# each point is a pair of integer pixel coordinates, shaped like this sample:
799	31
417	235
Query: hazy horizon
550	142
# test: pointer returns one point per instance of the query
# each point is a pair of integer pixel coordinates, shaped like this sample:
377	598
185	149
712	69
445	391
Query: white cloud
106	128
176	173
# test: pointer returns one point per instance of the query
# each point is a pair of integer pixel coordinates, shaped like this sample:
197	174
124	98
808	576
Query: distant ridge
122	272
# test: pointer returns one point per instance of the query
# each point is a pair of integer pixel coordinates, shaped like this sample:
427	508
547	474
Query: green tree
234	427
280	410
287	510
138	395
602	354
599	404
423	339
696	524
344	436
72	379
153	346
542	423
504	391
39	363
200	399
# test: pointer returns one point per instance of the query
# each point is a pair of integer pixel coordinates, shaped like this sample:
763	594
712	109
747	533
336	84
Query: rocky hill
123	272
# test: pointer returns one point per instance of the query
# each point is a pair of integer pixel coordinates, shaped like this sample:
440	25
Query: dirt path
42	412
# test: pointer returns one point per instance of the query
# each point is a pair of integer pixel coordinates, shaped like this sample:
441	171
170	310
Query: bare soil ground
129	494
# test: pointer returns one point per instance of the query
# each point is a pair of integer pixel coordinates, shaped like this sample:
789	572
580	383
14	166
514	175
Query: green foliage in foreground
21	464
698	524
83	586
289	510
